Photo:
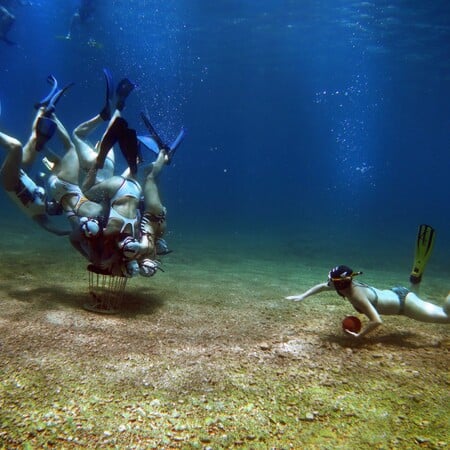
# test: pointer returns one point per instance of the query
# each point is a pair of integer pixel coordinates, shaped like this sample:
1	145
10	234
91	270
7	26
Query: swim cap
90	227
132	268
129	247
148	267
39	196
340	272
341	277
53	208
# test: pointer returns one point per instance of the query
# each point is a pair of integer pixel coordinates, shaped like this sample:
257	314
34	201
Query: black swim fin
129	146
124	88
45	129
424	247
105	113
110	138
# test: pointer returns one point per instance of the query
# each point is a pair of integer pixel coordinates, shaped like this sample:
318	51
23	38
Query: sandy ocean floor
209	355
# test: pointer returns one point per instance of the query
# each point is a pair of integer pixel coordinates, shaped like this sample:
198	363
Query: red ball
351	323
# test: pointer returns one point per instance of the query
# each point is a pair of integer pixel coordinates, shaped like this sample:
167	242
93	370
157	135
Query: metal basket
106	291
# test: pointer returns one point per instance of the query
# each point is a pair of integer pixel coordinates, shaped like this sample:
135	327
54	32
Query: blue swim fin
153	132
149	143
45	129
46	100
176	143
50	108
170	149
105	113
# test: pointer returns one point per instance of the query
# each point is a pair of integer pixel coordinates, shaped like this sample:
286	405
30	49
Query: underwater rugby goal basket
106	291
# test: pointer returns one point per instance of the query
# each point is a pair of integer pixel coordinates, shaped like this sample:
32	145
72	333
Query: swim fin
105	113
170	149
110	138
124	88
149	143
45	129
50	108
424	247
175	144
153	132
129	146
46	100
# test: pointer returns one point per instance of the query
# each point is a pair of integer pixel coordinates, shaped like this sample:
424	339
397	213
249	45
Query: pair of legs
19	156
67	170
423	311
155	211
87	155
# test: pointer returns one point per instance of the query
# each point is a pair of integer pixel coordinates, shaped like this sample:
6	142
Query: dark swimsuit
401	292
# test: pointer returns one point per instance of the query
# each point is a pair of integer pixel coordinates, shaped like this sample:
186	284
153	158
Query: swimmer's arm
90	181
44	222
312	291
146	243
364	305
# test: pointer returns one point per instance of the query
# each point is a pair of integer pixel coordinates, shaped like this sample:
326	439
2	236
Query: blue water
305	118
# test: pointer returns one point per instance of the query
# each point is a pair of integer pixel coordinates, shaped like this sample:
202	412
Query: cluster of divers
117	222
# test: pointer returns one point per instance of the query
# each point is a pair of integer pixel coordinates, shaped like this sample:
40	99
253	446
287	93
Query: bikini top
113	214
128	188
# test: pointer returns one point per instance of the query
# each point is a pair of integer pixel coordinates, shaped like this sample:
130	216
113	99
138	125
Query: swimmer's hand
295	298
148	267
146	227
352	333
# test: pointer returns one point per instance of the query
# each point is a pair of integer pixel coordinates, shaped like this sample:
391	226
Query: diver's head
129	248
39	196
90	227
131	268
341	277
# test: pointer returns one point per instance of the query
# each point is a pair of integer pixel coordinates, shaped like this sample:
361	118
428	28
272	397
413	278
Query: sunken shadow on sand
44	298
387	340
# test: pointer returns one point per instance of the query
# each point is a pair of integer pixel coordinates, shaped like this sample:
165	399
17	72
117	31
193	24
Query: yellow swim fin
424	247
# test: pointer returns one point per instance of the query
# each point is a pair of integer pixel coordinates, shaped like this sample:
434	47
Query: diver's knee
15	145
